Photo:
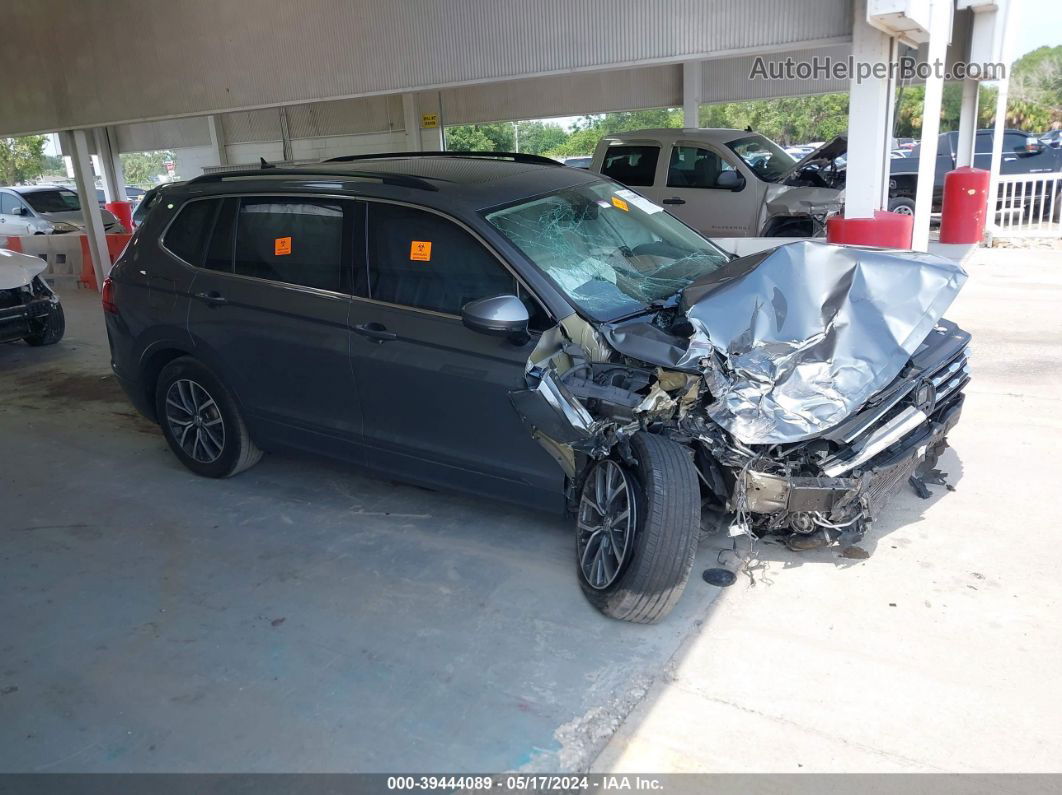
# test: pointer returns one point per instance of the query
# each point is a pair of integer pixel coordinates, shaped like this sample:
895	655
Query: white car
728	183
29	310
46	210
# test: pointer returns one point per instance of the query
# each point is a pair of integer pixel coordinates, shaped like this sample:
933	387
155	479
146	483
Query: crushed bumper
838	498
15	321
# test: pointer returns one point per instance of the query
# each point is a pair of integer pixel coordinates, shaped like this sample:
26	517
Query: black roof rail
402	180
518	157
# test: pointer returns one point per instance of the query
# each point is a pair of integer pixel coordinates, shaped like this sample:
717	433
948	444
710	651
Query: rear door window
295	241
631	165
188	234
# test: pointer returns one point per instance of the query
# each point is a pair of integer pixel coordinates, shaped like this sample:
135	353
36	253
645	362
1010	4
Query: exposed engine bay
809	382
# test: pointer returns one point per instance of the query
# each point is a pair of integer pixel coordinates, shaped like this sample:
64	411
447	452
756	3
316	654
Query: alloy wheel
605	524
195	421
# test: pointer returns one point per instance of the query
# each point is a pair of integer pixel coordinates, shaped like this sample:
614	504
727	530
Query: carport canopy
245	79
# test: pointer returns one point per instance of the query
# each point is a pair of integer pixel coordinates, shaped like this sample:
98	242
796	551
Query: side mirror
501	315
730	180
20	210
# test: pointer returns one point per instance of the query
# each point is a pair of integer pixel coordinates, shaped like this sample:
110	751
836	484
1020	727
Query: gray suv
511	328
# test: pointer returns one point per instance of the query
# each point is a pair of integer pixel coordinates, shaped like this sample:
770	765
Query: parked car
578	162
29	310
723	183
524	331
1023	153
45	210
133	194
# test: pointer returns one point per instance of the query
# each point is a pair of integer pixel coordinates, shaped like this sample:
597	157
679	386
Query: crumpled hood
17	269
795	339
783	200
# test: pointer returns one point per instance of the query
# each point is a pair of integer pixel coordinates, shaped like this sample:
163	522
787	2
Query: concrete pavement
941	651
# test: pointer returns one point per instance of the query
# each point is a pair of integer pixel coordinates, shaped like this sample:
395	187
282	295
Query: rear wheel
637	530
49	329
201	421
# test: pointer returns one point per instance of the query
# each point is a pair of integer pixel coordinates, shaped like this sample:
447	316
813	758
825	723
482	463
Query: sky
1039	24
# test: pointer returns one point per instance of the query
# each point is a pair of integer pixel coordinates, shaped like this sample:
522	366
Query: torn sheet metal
795	339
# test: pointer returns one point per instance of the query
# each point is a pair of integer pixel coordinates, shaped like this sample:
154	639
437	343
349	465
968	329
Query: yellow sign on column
429	121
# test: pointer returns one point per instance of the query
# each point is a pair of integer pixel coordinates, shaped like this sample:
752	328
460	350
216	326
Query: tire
52	329
656	563
904	205
222	446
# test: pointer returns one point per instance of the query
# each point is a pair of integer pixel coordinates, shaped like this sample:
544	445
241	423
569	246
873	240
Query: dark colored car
538	334
1022	153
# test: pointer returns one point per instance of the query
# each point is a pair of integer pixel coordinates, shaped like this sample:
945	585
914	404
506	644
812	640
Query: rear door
269	309
436	394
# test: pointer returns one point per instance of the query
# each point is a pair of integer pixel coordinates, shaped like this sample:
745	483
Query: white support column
411	121
869	120
110	166
285	134
1006	37
939	35
75	144
217	139
431	138
691	94
967	124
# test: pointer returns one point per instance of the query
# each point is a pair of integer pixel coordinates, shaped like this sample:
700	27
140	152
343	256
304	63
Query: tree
143	168
537	137
1036	78
21	159
591	129
497	137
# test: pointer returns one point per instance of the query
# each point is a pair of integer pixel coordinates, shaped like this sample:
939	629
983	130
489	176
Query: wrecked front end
809	383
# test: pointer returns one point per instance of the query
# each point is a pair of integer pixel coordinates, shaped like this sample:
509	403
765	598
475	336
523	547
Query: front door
436	394
690	190
269	309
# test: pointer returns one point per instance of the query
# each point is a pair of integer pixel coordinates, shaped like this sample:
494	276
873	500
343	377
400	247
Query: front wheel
637	530
201	421
902	205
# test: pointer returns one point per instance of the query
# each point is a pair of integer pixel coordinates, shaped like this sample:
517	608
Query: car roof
720	135
34	188
432	180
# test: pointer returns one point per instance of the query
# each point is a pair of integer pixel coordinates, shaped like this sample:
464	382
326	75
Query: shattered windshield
769	162
610	250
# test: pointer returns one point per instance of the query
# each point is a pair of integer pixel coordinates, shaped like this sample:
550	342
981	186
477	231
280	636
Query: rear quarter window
187	235
631	165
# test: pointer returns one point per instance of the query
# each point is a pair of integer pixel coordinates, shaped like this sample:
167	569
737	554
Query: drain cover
720	578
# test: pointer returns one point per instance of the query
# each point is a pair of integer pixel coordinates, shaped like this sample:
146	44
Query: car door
691	191
435	394
268	311
12	221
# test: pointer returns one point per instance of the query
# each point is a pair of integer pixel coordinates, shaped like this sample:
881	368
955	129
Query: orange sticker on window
420	250
281	246
619	204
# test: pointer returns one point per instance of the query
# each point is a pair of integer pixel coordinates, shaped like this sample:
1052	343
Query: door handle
212	298
376	332
674	201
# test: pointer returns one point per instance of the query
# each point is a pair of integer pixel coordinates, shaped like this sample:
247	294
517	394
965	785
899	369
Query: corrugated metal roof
187	57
